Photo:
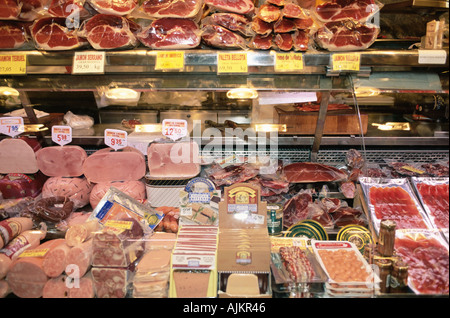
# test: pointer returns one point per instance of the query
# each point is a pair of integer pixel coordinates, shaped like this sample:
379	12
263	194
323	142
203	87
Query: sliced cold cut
173	160
55	260
134	188
76	189
57	161
110	282
79	233
79	259
307	172
107	165
18	156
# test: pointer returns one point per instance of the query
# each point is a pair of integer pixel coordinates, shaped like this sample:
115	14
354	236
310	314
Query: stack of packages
151	279
122	169
345	24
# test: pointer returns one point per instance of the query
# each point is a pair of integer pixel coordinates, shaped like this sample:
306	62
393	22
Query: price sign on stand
62	135
115	138
232	63
11	126
346	61
174	128
288	62
13	64
169	60
89	62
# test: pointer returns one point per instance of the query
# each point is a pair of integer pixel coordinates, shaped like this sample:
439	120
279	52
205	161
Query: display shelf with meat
116	7
157	9
9	9
338	10
434	195
394	199
14	35
427	257
69	8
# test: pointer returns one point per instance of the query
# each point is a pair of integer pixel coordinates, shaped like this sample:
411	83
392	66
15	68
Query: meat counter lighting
270	127
242	93
393	126
148	128
122	95
366	91
8	91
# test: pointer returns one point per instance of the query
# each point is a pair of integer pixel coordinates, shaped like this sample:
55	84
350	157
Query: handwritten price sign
62	135
115	138
11	126
174	128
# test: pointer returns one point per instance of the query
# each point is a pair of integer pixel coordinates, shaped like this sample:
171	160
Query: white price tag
186	211
89	62
11	126
62	135
174	128
432	56
115	138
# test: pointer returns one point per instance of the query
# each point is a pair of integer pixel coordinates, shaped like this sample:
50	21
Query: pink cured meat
107	32
134	188
106	165
292	10
110	282
52	34
261	42
284	41
171	8
56	288
338	10
173	160
261	27
75	189
55	260
85	289
436	199
79	259
68	8
9	9
18	185
57	161
17	155
346	36
307	172
117	7
235	6
269	13
231	21
301	40
284	26
13	35
171	33
219	37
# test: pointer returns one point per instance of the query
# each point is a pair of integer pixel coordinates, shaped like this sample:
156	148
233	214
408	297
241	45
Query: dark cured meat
284	26
269	13
219	37
306	172
233	174
66	8
260	42
292	10
171	8
284	41
300	40
9	10
337	10
296	209
235	6
122	7
12	35
232	21
53	34
261	27
171	33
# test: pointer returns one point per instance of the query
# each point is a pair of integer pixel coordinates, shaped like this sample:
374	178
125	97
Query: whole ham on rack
156	9
116	7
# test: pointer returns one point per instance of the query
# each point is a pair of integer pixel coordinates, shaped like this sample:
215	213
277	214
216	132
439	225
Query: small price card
169	60
13	64
62	135
232	63
11	126
288	62
88	62
346	61
115	138
174	128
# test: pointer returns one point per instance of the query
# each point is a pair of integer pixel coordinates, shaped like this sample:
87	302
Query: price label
174	128
115	138
169	60
346	61
90	62
288	62
11	126
13	64
432	56
62	135
232	63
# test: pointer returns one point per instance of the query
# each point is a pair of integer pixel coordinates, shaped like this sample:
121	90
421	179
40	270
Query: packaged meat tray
393	199
345	267
433	194
427	255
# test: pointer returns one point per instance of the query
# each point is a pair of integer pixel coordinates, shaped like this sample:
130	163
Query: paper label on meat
38	252
11	126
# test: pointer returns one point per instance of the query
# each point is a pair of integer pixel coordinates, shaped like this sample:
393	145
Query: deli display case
321	144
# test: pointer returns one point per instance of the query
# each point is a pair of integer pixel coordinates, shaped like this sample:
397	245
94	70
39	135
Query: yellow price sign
346	61
13	64
288	62
232	62
169	60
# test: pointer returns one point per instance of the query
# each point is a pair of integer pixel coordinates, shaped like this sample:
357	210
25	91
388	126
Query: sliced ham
106	165
307	172
80	233
173	160
18	156
57	161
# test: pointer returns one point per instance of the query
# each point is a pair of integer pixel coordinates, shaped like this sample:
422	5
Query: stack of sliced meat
345	26
281	24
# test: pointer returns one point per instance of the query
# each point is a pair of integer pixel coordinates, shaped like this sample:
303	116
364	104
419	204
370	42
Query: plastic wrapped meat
338	10
307	172
434	193
157	9
122	7
220	37
171	33
173	160
235	6
297	208
231	21
232	174
269	13
18	185
133	188
68	8
13	35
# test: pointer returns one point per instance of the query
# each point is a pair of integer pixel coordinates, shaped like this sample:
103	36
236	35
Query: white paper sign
174	128
11	126
89	62
115	138
432	56
62	135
